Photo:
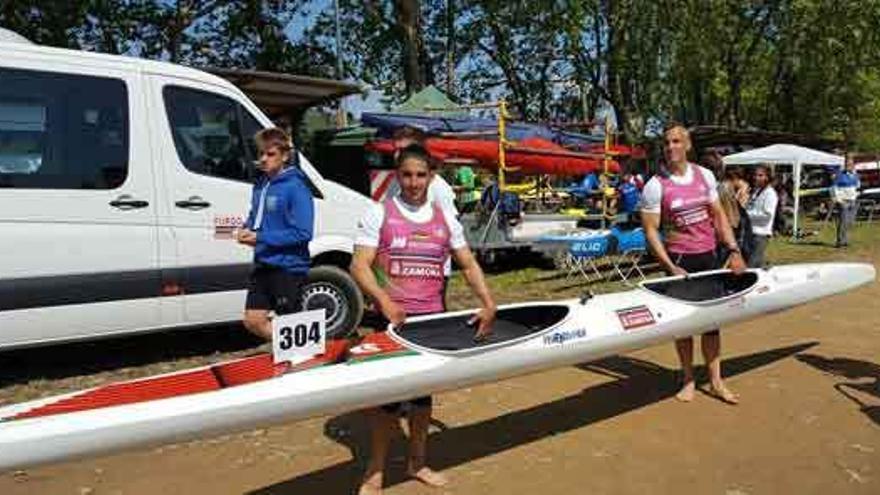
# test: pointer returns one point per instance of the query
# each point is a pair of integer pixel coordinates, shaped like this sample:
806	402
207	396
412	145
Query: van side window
250	128
209	134
61	131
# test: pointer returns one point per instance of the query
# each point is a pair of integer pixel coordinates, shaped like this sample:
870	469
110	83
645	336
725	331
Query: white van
121	181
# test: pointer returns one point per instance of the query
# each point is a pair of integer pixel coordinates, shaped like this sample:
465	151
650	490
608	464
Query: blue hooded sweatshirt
282	214
629	197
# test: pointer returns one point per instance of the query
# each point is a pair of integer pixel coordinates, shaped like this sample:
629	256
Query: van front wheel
335	291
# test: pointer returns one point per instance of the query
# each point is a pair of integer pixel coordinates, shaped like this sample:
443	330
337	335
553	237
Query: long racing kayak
426	355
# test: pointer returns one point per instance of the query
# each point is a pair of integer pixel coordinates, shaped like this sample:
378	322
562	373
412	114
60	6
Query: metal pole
502	142
796	192
341	117
604	182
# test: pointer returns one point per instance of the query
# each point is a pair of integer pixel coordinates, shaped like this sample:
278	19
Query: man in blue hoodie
279	227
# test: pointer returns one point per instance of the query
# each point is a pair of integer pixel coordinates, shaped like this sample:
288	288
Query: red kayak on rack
529	156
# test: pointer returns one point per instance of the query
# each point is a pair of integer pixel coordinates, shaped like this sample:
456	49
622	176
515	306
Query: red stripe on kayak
383	187
117	394
247	370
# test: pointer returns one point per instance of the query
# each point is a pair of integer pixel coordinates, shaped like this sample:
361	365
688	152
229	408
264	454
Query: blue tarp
387	123
595	243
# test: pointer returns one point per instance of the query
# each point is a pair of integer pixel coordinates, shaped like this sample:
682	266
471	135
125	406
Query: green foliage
226	33
807	66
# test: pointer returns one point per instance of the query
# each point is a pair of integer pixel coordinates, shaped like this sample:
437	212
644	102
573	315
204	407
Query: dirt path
809	422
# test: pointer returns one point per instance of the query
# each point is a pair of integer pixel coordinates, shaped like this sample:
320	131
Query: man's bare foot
428	476
372	484
686	394
722	393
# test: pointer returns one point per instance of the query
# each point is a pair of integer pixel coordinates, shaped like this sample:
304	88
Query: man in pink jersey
400	252
683	201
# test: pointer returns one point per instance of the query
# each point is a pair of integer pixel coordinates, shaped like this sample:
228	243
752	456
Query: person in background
781	225
844	193
400	250
589	183
629	197
465	188
736	214
279	227
711	159
741	186
761	209
588	191
637	180
683	200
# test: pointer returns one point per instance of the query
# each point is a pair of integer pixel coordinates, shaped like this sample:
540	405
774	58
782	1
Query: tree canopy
806	66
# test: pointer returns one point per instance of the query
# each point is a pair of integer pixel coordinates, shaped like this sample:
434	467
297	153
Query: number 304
300	335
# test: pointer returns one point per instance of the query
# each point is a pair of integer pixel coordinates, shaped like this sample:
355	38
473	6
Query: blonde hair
729	203
681	130
273	137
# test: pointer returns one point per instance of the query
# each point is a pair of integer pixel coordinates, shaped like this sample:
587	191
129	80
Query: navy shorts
271	288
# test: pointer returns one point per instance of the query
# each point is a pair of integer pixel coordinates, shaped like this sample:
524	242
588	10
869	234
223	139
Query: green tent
351	136
430	97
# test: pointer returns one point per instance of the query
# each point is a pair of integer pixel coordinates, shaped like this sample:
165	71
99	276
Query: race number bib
298	337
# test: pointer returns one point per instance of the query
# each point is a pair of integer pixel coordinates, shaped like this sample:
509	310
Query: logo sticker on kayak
564	336
635	317
377	346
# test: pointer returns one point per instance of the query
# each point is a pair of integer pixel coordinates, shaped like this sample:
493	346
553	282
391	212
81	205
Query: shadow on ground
636	384
854	369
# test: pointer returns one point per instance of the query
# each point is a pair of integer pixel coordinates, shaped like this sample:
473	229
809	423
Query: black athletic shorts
701	288
402	408
271	288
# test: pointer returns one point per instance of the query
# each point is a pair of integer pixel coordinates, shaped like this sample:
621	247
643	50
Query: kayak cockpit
453	333
704	287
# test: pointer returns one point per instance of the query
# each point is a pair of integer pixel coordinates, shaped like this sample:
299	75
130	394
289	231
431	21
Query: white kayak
426	355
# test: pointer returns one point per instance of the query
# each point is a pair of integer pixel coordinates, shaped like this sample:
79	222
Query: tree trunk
408	13
450	49
615	69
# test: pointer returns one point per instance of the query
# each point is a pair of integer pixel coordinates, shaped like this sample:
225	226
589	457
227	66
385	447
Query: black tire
487	257
333	289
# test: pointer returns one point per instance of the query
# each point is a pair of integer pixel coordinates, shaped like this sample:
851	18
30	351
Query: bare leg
685	349
419	420
258	323
711	344
381	425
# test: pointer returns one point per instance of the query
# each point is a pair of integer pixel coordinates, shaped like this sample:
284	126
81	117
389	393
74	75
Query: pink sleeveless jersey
411	256
687	214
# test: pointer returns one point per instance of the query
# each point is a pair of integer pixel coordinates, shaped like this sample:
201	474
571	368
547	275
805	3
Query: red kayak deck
213	378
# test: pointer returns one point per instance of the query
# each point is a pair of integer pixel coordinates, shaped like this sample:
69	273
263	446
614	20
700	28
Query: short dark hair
409	132
767	170
273	137
415	152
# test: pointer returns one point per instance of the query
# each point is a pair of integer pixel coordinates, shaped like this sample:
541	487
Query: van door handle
127	202
193	203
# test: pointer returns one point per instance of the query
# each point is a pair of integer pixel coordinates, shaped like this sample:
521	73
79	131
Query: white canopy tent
788	154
